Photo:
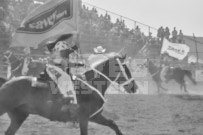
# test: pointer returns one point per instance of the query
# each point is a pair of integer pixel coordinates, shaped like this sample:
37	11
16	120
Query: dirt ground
155	114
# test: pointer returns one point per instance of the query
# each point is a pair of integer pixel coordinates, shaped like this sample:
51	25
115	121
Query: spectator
180	37
167	33
160	34
174	35
149	38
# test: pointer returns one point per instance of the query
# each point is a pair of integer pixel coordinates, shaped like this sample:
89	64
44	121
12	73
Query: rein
13	70
124	73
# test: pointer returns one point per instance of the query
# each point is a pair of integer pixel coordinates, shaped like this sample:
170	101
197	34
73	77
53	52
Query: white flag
178	51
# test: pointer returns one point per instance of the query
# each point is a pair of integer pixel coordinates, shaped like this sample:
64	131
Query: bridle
122	70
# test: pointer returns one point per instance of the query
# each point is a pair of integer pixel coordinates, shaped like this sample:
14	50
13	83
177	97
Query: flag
53	18
178	51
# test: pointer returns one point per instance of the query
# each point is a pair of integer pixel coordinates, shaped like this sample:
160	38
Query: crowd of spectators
173	36
101	25
96	25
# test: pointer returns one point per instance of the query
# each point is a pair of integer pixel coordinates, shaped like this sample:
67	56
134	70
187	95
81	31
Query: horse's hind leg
159	85
183	85
106	122
17	118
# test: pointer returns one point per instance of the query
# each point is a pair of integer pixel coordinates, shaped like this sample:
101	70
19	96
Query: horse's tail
189	75
2	81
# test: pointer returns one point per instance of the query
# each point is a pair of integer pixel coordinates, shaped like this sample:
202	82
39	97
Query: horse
45	101
175	73
35	67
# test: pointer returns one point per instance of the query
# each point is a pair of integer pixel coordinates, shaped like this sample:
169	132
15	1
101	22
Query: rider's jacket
60	58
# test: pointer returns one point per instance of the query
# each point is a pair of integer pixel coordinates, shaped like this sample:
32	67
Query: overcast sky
182	14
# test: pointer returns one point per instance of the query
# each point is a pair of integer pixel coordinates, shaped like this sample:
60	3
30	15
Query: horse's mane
19	78
113	55
28	79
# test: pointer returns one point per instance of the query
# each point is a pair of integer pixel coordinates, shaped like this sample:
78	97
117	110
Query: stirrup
74	77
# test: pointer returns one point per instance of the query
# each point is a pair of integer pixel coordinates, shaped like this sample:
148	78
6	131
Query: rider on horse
59	71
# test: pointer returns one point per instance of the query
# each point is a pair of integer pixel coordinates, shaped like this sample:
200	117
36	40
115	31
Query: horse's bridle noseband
128	80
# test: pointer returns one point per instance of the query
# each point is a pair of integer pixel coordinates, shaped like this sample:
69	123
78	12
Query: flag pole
196	48
79	6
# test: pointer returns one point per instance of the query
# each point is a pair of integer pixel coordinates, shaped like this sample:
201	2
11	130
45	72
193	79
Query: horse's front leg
83	122
159	85
99	119
184	87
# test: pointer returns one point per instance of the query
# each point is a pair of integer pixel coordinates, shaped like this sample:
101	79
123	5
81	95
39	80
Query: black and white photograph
98	67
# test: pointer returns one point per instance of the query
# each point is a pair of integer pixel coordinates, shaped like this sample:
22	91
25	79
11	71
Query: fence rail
129	22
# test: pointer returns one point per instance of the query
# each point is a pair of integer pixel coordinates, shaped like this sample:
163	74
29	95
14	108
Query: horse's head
125	77
115	69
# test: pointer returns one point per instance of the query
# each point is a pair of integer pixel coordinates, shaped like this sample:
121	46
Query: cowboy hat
99	49
51	44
